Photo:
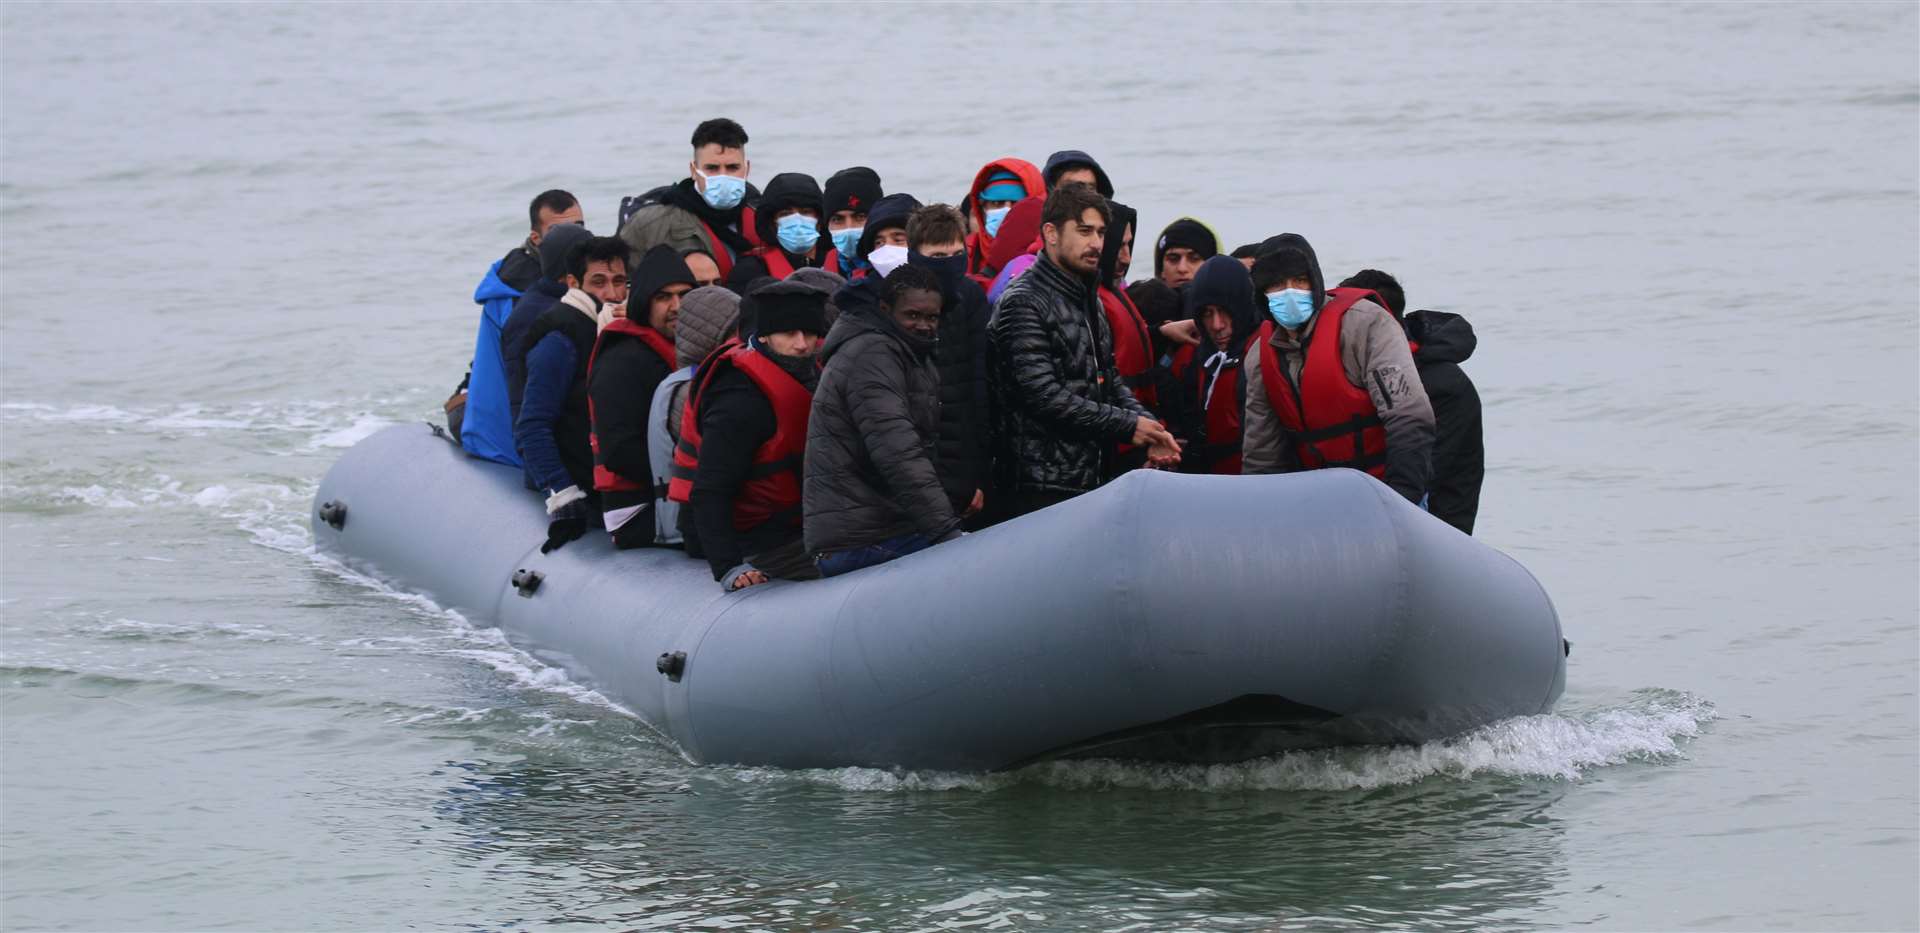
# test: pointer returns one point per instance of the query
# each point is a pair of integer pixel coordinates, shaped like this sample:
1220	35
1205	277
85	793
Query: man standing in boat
710	210
743	440
1063	406
1330	379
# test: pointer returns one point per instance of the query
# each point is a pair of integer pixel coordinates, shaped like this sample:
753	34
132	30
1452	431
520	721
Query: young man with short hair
872	492
480	405
1062	405
709	210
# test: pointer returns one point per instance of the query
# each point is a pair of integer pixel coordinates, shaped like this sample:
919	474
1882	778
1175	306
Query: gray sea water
236	238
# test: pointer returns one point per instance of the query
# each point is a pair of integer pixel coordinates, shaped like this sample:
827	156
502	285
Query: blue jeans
835	563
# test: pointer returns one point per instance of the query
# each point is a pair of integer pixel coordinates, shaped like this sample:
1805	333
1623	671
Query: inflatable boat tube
1161	617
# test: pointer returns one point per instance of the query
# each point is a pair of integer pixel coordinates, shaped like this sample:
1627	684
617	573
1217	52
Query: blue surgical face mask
723	192
797	233
846	241
1290	307
994	218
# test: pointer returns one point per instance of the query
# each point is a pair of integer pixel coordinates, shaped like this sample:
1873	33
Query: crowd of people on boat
806	379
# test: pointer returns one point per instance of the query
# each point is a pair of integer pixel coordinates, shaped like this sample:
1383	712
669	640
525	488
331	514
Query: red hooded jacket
979	244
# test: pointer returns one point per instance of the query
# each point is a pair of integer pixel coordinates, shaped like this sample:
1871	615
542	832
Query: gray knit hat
707	316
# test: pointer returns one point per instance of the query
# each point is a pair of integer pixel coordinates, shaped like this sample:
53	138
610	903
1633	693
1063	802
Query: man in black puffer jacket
871	491
1061	404
937	242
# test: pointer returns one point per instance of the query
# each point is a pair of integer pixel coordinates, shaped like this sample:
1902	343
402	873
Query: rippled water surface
236	239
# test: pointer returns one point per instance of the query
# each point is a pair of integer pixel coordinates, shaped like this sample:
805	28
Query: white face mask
885	259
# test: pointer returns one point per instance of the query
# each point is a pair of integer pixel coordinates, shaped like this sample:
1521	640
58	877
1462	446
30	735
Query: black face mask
949	269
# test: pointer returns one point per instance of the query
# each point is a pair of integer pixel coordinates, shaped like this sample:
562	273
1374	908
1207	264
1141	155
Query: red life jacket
1220	450
749	227
1333	421
722	256
779	266
1133	360
772	490
1132	346
604	479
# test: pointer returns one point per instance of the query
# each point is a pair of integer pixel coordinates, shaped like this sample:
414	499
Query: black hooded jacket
1061	406
1300	243
1459	458
620	385
963	452
787	189
870	438
1068	158
520	268
1220	281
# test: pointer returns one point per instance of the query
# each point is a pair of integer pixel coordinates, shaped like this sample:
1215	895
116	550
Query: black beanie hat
1185	233
1157	302
659	268
789	305
555	244
892	211
854	189
1280	265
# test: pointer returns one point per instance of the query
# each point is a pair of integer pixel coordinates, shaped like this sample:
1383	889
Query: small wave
486	645
1559	746
318	421
361	429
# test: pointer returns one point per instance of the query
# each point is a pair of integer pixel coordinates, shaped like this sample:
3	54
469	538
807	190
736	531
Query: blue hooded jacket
487	431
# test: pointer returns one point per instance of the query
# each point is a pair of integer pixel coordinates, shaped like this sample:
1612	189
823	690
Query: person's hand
1163	456
749	578
1187	332
979	501
620	311
1150	433
566	523
566	518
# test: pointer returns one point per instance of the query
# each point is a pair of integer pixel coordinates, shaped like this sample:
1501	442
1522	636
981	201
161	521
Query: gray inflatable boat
1161	617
